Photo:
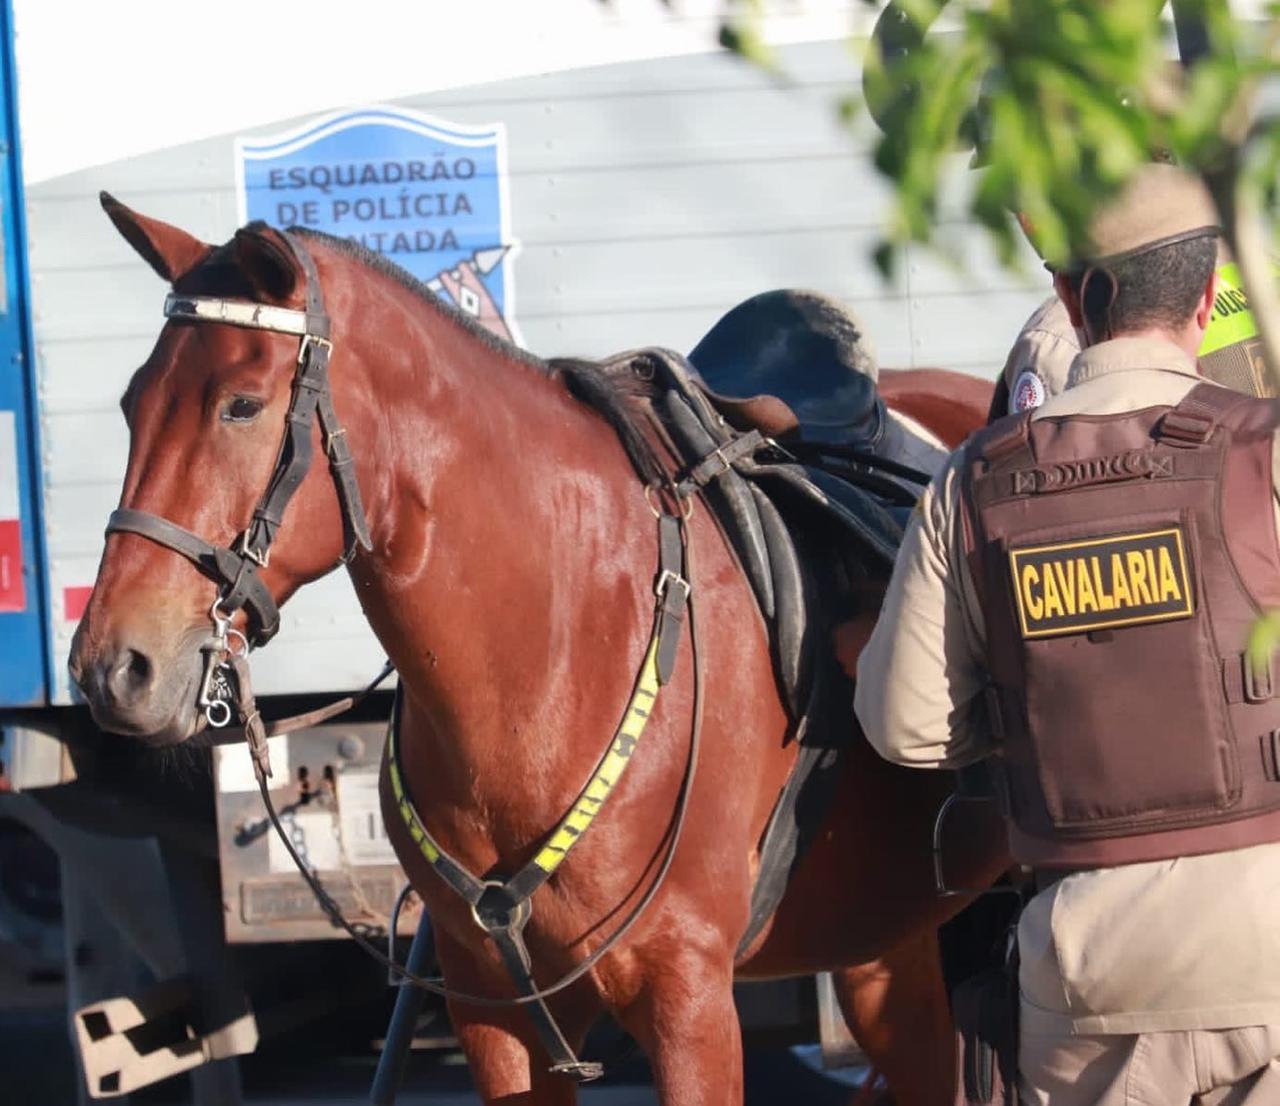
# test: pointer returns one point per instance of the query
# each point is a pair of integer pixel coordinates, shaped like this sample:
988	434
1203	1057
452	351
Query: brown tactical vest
1121	562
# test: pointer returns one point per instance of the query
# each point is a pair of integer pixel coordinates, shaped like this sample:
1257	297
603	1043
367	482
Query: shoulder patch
1028	391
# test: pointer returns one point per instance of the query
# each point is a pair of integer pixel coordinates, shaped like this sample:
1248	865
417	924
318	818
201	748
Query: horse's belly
867	882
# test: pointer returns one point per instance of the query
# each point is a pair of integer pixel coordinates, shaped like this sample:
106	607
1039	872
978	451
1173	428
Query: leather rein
500	907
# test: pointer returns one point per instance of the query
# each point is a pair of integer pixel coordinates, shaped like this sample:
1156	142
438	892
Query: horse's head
209	417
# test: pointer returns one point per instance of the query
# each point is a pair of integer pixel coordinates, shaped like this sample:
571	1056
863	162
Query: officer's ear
1069	293
1204	309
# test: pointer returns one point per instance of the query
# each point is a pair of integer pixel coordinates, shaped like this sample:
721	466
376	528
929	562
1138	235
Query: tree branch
1239	201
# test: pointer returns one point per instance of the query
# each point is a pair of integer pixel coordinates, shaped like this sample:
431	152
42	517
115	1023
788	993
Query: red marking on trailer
74	601
13	592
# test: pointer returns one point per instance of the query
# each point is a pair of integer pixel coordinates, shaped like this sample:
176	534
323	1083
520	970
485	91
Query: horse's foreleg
896	1008
684	1018
507	1062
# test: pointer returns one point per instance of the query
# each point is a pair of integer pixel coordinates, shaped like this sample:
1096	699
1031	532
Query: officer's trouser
1221	1067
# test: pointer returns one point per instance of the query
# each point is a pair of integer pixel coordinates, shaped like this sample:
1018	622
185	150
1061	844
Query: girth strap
237	577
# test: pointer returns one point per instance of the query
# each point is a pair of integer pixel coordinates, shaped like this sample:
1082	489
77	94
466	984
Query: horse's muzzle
132	692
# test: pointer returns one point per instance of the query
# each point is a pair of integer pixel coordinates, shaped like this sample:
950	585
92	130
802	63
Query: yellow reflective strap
611	768
593	796
410	816
1232	321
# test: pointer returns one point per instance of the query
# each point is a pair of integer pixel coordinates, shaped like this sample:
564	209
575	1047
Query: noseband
235	568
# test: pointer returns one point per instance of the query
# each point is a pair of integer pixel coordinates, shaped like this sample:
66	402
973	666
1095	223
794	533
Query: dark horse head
206	414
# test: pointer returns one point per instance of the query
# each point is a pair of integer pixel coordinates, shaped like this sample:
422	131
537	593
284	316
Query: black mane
612	396
379	263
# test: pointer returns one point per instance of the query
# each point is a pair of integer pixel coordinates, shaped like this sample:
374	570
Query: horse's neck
511	544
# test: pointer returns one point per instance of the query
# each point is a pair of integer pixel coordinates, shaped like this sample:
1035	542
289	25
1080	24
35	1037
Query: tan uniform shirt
1041	357
1181	944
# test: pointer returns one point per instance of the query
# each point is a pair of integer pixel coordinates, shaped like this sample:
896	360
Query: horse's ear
169	251
267	262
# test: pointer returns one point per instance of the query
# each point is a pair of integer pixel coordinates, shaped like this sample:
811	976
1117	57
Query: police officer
1038	363
1073	599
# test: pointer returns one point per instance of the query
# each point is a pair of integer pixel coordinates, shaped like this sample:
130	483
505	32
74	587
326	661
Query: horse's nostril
130	676
139	667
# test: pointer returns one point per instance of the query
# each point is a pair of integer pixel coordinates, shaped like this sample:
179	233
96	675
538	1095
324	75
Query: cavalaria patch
1072	587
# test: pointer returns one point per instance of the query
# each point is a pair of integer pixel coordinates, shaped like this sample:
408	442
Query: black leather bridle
235	569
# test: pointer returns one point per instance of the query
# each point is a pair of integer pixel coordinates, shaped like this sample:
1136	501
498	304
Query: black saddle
806	536
804	349
778	421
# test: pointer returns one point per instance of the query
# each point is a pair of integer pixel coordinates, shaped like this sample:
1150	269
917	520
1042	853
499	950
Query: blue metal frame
26	645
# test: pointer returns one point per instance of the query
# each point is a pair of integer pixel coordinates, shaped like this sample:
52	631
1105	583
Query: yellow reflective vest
1232	351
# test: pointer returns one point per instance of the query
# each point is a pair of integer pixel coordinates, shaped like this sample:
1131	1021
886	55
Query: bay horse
508	573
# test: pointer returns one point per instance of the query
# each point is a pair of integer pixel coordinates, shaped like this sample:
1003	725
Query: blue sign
429	195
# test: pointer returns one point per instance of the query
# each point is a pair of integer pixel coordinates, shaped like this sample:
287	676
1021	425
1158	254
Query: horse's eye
242	409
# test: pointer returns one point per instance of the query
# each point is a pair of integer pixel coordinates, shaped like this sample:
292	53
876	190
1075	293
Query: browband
255	316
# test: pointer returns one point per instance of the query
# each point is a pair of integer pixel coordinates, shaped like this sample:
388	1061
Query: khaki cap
1160	205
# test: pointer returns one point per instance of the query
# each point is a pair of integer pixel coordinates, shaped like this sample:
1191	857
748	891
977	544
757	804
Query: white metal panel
81	447
122	300
89	373
886	320
711	272
136	58
830	190
832	64
649	198
68	232
969	330
966	310
75	515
